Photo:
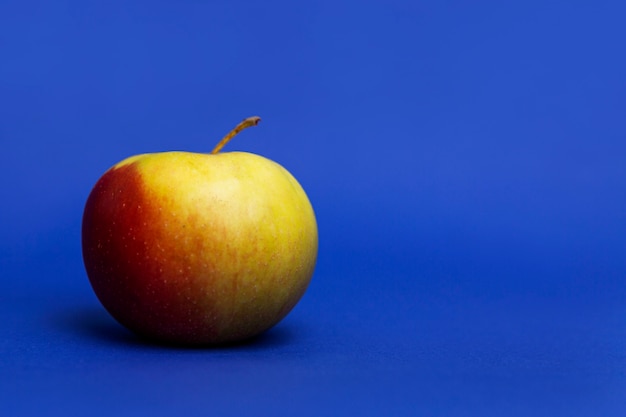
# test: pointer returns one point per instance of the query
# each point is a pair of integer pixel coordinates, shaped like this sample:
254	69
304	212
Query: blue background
467	164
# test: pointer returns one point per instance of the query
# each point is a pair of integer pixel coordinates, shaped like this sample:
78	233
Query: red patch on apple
121	251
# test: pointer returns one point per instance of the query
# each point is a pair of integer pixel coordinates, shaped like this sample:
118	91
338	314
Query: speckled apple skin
199	249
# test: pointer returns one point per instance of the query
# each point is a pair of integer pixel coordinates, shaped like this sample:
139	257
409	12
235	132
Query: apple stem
250	121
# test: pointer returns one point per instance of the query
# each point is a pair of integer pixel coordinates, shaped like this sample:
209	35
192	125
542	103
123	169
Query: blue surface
467	163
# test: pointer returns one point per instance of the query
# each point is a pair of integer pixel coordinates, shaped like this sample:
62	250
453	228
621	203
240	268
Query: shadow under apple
95	325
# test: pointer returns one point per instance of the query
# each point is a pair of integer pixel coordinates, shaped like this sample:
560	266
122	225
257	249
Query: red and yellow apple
193	248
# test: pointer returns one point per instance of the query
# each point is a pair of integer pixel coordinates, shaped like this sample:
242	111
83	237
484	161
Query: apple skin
194	249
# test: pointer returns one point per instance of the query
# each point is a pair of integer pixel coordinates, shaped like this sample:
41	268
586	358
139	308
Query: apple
191	248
